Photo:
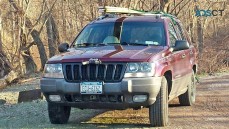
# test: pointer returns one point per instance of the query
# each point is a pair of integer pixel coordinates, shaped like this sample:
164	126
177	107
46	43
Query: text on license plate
91	87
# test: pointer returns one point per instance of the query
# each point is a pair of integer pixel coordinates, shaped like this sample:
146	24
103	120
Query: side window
180	31
185	35
179	35
172	35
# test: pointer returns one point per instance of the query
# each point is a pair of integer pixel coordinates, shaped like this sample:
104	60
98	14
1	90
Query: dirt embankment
210	111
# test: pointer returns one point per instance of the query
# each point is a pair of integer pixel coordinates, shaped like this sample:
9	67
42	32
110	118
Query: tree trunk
164	5
5	67
7	75
41	48
53	36
200	36
30	65
199	33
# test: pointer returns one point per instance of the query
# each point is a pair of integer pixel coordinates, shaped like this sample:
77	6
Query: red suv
122	62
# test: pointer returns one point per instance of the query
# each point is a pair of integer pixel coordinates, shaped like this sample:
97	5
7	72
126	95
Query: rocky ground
210	111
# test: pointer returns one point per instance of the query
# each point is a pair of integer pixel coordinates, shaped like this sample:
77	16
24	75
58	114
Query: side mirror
181	45
63	47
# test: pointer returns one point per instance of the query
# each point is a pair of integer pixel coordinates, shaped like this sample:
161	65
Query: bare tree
34	33
26	45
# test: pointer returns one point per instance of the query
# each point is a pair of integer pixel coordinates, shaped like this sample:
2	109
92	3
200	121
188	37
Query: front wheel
58	114
158	112
189	97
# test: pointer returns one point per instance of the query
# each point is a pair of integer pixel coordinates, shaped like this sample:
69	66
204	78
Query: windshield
126	33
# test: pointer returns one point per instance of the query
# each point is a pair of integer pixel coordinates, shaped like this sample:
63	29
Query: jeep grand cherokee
120	63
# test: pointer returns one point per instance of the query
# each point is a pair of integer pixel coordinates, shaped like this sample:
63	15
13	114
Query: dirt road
210	111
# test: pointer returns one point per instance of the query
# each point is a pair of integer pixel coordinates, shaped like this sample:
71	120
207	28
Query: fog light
54	98
139	98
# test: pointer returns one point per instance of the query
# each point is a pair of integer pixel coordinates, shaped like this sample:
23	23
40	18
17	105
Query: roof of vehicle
152	18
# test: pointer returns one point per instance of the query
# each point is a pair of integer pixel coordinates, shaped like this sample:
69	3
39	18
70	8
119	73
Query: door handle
183	56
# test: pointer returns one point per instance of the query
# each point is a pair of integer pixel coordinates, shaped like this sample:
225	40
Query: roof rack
119	10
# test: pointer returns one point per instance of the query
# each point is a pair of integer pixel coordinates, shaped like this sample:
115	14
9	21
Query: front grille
107	72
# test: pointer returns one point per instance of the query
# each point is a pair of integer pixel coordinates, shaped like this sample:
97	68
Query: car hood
108	53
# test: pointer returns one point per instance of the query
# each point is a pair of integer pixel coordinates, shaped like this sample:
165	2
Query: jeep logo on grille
92	61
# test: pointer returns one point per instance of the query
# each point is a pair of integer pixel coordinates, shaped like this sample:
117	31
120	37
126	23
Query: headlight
132	68
53	71
144	69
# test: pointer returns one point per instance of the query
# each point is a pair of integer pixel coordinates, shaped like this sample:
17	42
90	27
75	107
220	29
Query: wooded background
31	30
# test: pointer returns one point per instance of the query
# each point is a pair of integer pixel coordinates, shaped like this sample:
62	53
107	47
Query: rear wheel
158	112
58	114
189	97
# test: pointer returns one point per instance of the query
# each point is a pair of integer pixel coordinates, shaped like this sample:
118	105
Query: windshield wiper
95	44
135	44
105	44
87	44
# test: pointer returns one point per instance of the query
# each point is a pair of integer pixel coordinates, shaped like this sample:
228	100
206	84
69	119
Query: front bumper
123	92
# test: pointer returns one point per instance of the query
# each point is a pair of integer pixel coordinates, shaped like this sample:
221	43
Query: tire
189	97
158	112
58	114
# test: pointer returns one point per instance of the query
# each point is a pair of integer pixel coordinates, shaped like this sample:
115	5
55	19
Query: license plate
91	87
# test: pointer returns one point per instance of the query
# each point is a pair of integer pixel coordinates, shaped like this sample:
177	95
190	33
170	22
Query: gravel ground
34	114
210	111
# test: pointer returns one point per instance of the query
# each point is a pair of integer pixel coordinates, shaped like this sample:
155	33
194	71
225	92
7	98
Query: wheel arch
168	76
